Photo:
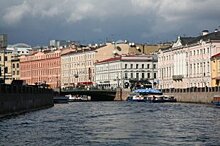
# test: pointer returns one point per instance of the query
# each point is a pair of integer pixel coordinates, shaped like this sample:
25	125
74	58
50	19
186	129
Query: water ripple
114	124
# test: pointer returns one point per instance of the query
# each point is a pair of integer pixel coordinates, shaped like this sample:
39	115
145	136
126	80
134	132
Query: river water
114	123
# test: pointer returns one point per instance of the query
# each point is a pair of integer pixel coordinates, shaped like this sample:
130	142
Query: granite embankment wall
18	99
189	96
193	97
122	94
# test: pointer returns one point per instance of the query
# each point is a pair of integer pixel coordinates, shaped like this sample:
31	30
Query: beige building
110	50
77	66
15	63
152	48
7	60
77	62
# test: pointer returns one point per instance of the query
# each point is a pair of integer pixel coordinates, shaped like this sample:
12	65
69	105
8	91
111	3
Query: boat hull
60	100
216	100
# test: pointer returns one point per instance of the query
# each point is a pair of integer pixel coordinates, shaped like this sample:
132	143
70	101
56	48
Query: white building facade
119	71
187	63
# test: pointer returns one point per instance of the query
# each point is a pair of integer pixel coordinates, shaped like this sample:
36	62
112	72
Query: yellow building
152	48
215	70
110	50
118	48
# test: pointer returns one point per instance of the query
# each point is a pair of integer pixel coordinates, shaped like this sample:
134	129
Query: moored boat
136	97
149	95
216	100
77	98
60	99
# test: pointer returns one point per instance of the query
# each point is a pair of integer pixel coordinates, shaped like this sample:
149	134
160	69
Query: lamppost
3	45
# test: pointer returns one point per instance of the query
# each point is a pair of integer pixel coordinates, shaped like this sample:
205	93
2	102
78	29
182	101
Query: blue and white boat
149	95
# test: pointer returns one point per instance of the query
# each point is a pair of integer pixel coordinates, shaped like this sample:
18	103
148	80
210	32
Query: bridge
96	94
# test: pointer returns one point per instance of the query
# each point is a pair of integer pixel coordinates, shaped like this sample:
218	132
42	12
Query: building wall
118	71
42	67
111	49
215	71
16	68
77	67
190	65
8	66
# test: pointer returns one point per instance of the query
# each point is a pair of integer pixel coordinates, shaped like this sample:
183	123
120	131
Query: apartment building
7	66
187	63
77	66
215	70
126	70
41	68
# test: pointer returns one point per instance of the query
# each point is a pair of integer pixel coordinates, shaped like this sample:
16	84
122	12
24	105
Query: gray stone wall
194	97
15	100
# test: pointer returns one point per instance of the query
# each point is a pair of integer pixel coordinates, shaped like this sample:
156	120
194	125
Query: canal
114	123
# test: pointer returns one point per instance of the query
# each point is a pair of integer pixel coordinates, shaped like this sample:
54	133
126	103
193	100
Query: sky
35	22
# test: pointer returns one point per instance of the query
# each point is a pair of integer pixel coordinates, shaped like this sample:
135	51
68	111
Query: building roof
110	59
186	40
216	55
210	36
21	45
128	57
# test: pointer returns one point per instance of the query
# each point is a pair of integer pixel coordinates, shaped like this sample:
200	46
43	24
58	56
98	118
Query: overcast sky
92	21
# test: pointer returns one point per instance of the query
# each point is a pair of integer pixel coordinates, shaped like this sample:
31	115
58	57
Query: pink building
41	67
187	63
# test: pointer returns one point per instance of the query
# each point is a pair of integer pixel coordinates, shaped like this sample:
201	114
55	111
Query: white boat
75	98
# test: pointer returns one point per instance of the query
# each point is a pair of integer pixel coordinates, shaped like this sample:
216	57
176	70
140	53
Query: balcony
177	77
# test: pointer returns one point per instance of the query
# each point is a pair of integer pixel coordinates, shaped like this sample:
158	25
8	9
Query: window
6	69
132	76
142	65
126	75
6	58
13	65
136	66
148	75
142	76
148	66
155	75
154	66
131	65
126	66
137	75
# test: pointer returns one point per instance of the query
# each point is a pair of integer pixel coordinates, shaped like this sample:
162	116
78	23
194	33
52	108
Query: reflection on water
114	123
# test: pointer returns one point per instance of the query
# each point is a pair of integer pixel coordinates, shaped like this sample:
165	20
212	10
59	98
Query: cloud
81	11
15	13
135	19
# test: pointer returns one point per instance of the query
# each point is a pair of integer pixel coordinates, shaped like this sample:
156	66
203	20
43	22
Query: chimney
205	32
